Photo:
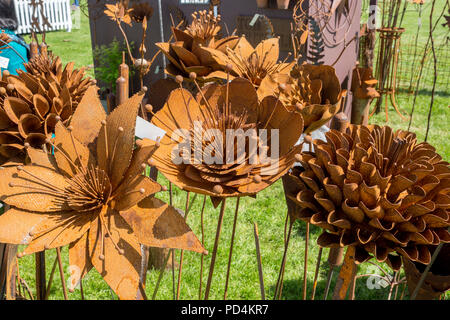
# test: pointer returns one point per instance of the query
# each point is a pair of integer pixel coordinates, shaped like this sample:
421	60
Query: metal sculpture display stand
386	71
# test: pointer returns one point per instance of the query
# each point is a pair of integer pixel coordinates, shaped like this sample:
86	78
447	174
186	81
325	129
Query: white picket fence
57	12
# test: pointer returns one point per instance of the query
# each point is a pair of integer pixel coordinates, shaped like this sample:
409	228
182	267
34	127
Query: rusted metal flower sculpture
92	196
314	91
50	67
189	52
377	190
225	108
254	64
118	12
31	105
141	10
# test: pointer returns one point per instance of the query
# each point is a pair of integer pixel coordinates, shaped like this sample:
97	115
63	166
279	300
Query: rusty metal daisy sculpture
379	192
254	64
91	195
190	50
202	151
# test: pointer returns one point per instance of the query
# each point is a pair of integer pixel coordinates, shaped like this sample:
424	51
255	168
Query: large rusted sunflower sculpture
50	67
377	190
31	105
314	91
254	64
219	109
92	196
188	53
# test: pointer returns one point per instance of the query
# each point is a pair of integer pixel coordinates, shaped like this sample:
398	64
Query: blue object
17	54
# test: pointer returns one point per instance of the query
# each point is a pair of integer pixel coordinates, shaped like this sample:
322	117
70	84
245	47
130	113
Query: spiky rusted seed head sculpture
189	52
204	122
377	190
254	64
33	102
92	196
314	91
50	67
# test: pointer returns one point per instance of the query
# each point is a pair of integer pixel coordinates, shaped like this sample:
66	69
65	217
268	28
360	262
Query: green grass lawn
268	210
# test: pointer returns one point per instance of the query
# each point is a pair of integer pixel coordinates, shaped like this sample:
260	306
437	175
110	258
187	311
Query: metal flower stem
305	267
258	259
427	269
161	274
180	269
316	273
279	285
231	248
203	244
61	273
216	245
173	251
50	280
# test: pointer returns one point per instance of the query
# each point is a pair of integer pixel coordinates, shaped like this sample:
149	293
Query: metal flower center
88	190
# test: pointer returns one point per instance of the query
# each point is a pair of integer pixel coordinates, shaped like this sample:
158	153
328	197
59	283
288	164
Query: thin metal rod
279	285
316	273
329	277
180	269
50	280
81	289
231	248
203	244
61	273
258	259
427	269
173	252
305	266
161	274
216	245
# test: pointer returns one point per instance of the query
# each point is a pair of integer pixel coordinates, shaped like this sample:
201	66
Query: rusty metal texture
437	281
91	195
364	91
377	190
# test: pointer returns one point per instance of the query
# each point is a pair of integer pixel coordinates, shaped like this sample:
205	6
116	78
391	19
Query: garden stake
231	248
279	285
203	244
427	269
258	259
316	273
161	274
346	275
216	245
180	270
40	275
61	272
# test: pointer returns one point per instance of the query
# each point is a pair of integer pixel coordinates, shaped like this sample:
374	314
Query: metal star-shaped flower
91	195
